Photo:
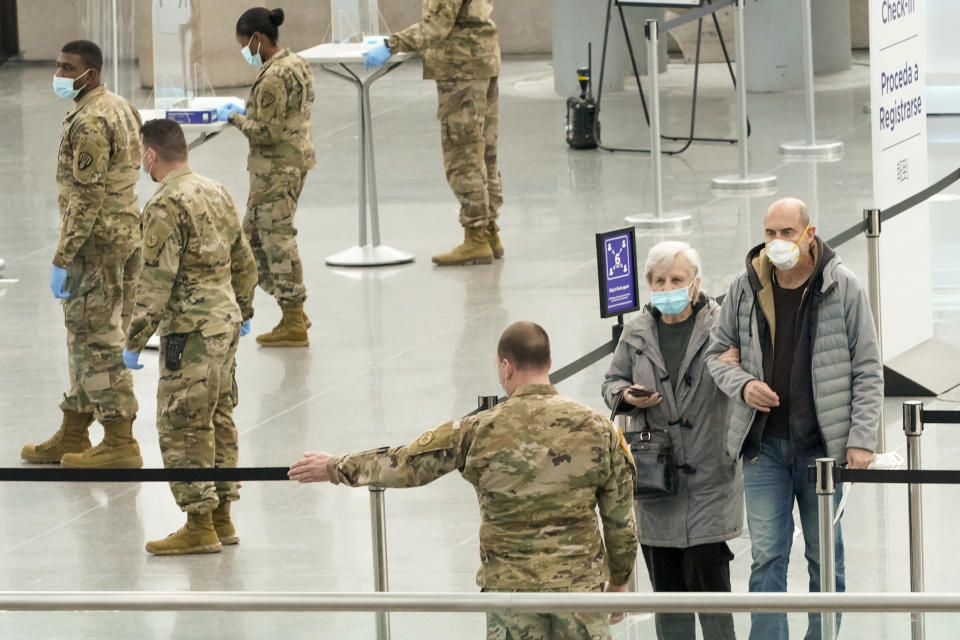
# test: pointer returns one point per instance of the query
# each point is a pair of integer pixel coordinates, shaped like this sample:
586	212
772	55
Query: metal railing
827	474
517	602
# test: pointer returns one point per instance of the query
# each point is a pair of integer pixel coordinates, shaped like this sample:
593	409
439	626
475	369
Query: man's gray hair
662	255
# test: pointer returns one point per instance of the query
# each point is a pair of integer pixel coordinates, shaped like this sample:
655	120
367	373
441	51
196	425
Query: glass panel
353	20
98	23
174	52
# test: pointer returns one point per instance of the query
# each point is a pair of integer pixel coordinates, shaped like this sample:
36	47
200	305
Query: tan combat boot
117	451
224	526
71	437
493	233
197	536
290	332
474	250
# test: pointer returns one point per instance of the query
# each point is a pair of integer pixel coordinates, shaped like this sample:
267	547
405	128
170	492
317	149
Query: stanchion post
658	220
744	181
486	402
828	562
913	429
872	218
811	147
378	523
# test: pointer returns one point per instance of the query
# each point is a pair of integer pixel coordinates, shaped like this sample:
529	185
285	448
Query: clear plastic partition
178	77
109	23
354	20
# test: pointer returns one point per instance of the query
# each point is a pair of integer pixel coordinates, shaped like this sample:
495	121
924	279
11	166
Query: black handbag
652	451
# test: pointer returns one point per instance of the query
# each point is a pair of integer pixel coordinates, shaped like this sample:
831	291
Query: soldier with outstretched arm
541	466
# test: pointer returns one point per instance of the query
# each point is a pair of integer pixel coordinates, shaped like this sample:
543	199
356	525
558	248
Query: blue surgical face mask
252	58
143	165
671	302
63	87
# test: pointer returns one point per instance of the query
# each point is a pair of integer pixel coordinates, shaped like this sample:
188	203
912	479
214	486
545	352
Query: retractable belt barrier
891	212
891	476
59	474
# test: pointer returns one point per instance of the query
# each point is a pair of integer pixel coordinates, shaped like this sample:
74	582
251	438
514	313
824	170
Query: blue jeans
771	484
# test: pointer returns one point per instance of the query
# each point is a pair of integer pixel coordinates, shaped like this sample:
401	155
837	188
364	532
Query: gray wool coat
846	368
708	506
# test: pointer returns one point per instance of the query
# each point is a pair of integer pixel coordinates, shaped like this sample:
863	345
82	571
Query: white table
203	131
345	60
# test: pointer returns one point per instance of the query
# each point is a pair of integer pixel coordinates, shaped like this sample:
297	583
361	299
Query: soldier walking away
541	465
276	122
196	291
96	264
461	52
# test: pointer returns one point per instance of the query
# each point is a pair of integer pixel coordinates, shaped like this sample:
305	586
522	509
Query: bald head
526	346
790	208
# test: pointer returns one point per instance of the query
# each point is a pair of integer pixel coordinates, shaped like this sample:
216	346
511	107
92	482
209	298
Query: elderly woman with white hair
658	379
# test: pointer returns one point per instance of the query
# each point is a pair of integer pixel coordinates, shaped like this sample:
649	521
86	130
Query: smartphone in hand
639	393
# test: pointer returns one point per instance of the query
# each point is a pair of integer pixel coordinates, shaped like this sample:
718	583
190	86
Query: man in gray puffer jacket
809	384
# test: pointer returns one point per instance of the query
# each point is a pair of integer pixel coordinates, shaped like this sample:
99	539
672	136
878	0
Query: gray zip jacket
846	368
708	506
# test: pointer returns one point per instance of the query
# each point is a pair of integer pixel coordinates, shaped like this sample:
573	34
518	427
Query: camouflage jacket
198	270
541	464
277	122
457	39
97	170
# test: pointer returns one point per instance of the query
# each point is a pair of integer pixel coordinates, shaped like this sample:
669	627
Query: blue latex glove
376	56
131	359
223	113
245	328
58	277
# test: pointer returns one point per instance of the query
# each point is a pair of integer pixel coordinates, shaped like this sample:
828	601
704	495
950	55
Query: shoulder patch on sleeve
84	160
158	228
443	437
267	98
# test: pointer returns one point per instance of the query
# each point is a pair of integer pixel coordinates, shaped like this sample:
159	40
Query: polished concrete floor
395	351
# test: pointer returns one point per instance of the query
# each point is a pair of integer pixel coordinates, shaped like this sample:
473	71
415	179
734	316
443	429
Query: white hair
662	255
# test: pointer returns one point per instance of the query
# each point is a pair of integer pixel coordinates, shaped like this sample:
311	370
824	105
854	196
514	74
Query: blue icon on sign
617	257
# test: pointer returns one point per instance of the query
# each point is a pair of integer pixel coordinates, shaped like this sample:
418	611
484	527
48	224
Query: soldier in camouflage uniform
276	122
461	52
96	264
541	465
196	291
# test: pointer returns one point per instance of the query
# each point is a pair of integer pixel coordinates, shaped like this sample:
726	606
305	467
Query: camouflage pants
268	226
548	626
195	417
99	286
469	115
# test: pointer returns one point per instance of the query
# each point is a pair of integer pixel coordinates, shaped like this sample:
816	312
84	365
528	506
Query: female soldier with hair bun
276	122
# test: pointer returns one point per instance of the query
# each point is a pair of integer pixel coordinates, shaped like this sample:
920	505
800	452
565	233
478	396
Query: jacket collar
175	175
534	390
283	53
87	98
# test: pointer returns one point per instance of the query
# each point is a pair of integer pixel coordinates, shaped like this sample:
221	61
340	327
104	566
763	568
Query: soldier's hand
641	402
760	396
131	359
58	278
616	617
311	468
245	327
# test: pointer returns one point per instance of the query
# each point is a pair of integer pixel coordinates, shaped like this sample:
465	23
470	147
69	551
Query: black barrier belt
848	235
916	199
60	474
897	476
897	209
940	417
695	15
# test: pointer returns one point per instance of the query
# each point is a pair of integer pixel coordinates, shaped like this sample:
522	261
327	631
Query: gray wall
46	24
